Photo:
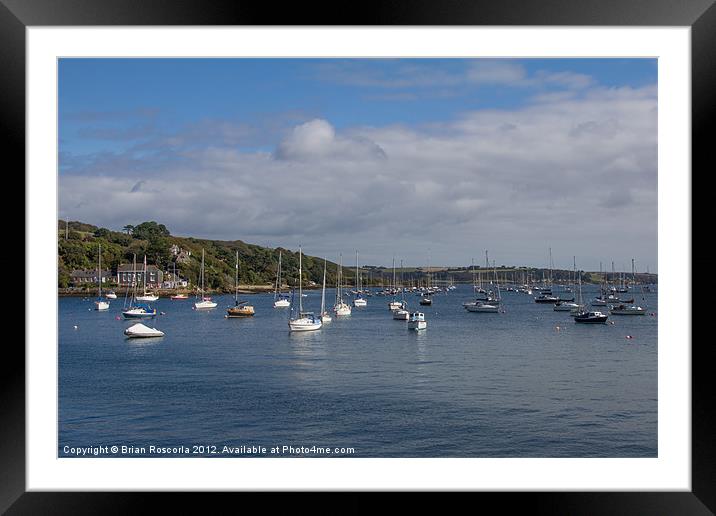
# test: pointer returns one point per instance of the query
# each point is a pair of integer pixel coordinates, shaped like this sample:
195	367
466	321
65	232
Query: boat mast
278	277
300	292
323	292
202	273
402	286
236	295
144	276
99	272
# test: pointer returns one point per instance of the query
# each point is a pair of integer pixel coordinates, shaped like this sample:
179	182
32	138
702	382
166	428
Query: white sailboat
627	308
240	308
325	316
359	300
136	310
205	303
279	300
492	304
101	304
394	305
304	321
146	296
568	306
402	313
341	308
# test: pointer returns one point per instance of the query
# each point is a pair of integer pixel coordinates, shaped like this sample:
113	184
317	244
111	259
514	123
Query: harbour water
528	382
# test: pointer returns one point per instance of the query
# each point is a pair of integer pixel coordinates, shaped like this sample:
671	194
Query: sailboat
279	300
568	306
304	321
136	310
325	316
402	313
426	299
394	305
180	295
100	304
206	303
240	308
625	308
489	305
359	300
146	296
340	308
584	316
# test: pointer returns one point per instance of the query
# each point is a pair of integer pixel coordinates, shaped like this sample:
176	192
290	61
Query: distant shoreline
243	289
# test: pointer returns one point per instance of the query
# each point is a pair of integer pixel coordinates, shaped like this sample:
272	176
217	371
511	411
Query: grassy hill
78	247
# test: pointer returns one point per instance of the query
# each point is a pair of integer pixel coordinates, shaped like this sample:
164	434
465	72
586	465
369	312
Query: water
471	385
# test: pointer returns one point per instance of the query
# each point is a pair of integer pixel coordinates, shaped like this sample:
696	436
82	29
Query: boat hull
137	314
205	305
482	308
304	324
401	315
591	318
243	311
282	303
417	325
633	311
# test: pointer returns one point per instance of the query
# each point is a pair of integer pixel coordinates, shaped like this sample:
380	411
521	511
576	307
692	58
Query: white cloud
317	139
577	174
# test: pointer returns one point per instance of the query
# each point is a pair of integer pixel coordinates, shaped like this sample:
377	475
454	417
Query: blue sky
147	122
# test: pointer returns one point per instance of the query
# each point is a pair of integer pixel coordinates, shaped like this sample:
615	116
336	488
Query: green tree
150	230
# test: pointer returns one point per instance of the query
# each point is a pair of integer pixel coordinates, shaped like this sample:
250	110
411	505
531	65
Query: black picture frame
700	15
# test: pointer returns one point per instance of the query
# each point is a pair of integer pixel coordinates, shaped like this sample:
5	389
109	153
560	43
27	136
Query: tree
128	228
150	231
102	233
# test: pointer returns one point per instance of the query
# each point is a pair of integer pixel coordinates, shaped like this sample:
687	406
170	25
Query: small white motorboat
395	305
401	315
139	330
281	303
101	305
147	297
111	295
359	301
205	304
565	306
417	321
627	310
479	306
326	317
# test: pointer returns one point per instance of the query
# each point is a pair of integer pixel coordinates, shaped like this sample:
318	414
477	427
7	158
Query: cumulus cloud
317	139
576	173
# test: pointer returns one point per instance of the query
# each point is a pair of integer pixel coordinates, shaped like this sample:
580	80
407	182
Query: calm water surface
525	383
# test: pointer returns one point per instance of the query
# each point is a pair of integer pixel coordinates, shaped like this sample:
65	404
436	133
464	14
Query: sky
432	161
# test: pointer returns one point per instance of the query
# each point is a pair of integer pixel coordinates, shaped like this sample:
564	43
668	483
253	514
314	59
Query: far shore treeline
78	244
